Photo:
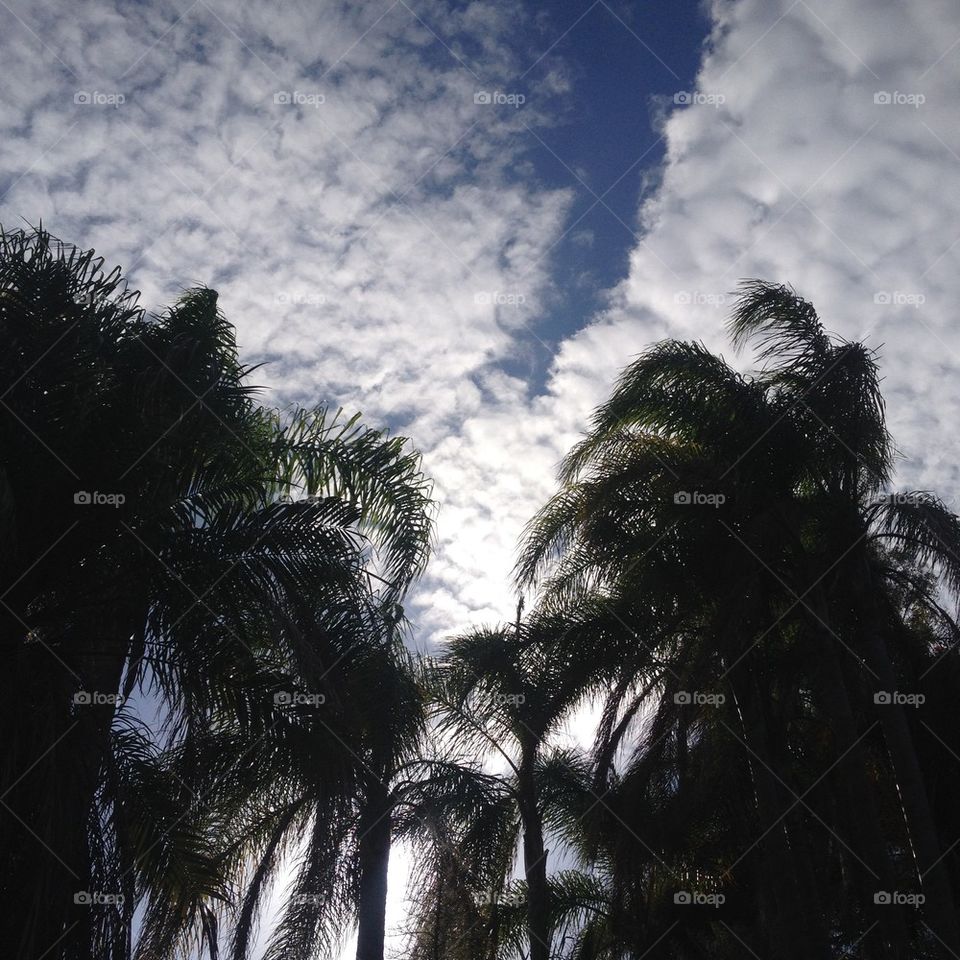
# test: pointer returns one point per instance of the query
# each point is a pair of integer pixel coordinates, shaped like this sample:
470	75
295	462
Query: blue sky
623	60
394	246
381	238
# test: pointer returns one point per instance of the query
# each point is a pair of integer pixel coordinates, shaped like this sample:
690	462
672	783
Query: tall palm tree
272	796
833	391
317	789
157	524
464	822
723	503
501	694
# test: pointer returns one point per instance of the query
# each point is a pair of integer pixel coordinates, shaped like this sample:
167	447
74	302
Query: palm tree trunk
889	936
939	907
534	862
376	829
91	738
796	936
53	773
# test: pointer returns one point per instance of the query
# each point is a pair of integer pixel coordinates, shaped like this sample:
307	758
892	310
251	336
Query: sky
463	218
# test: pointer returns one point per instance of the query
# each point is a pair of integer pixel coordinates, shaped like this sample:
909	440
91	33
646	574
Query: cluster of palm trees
214	732
199	618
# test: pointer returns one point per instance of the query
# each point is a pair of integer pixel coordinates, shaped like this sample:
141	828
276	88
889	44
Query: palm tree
463	821
273	797
721	503
315	715
215	518
500	694
833	390
317	786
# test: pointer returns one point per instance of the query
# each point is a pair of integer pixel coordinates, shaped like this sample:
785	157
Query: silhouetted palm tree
747	516
215	519
500	694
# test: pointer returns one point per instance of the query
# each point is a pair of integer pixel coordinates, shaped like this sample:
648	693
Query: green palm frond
323	455
786	328
921	527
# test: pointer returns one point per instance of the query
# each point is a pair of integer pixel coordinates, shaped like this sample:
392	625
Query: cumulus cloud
821	148
329	170
349	177
352	179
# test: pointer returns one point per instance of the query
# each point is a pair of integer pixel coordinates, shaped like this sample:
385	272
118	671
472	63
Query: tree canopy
215	731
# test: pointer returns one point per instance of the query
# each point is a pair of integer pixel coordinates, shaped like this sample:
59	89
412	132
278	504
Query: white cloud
328	170
799	177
